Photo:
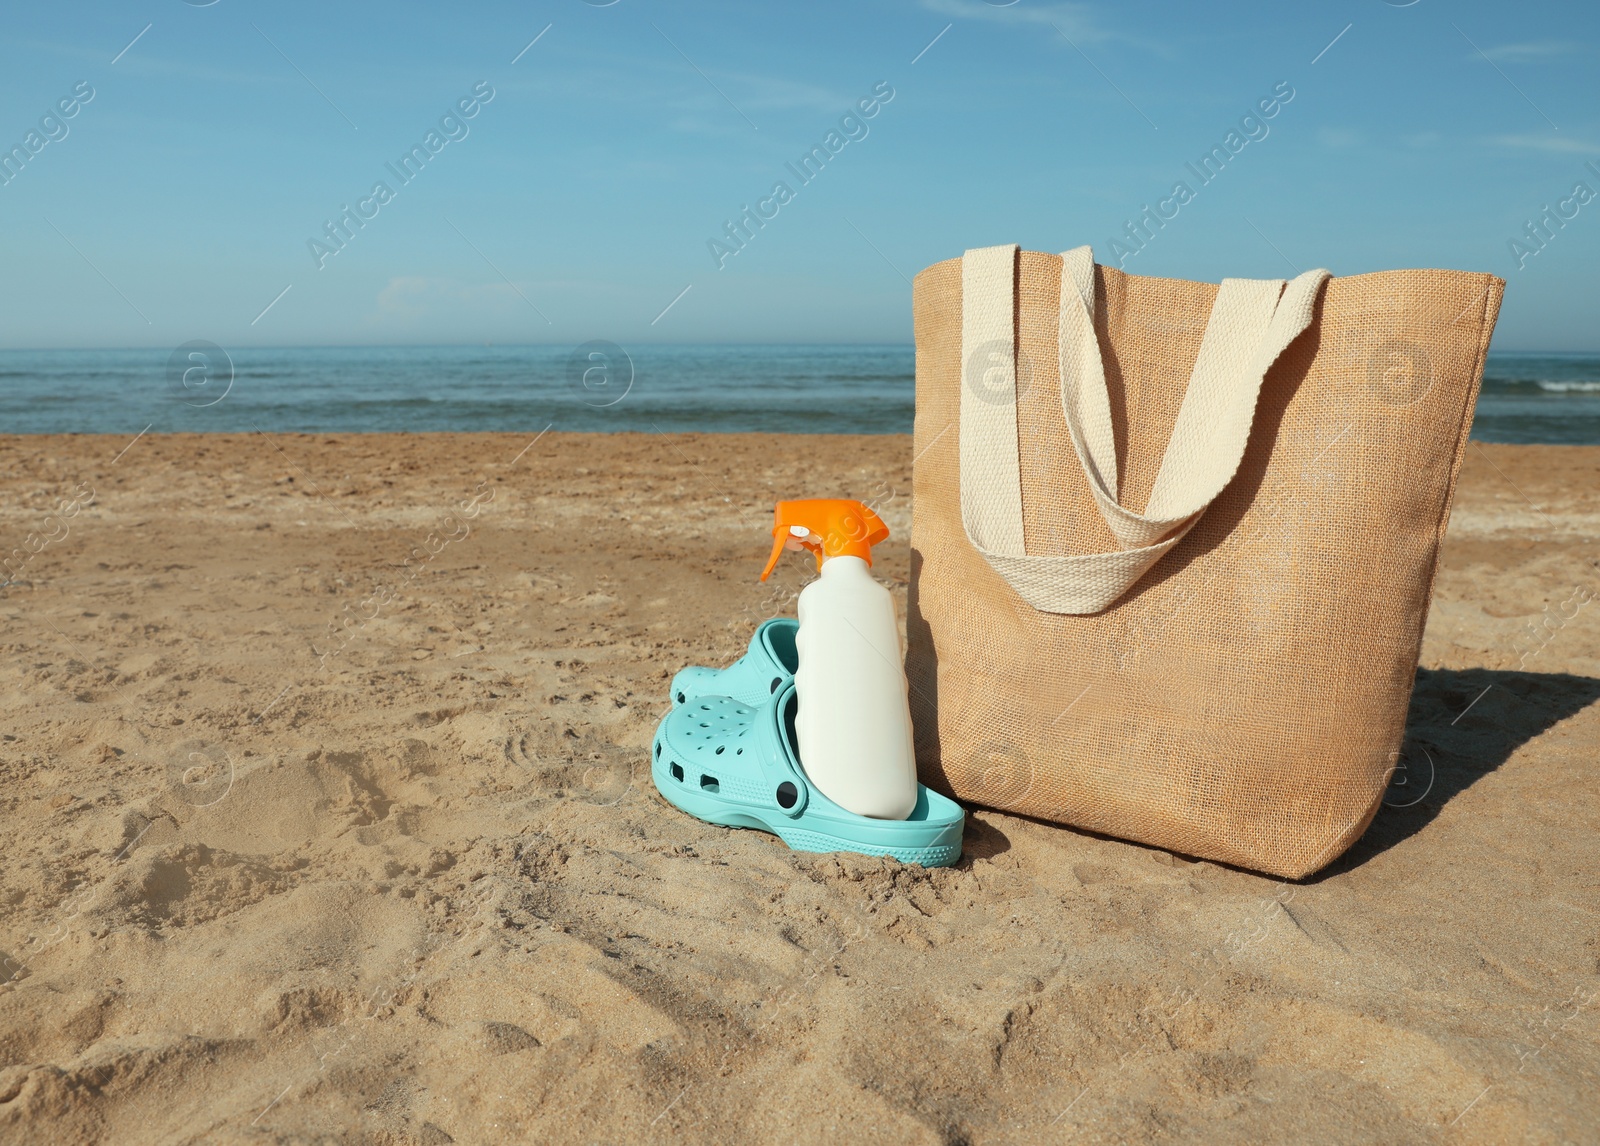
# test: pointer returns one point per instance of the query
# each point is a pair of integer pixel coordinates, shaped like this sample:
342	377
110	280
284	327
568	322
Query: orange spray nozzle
828	527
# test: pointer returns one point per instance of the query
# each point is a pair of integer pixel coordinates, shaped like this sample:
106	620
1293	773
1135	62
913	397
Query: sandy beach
328	818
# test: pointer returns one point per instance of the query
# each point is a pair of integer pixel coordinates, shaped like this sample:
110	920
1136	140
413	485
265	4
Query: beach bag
1174	544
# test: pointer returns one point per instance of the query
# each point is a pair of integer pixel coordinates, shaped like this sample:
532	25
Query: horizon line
565	344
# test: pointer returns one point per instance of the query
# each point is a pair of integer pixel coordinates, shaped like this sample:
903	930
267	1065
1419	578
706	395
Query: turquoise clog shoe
733	763
754	677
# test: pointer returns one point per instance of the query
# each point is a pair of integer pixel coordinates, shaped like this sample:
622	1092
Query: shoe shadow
1463	724
981	840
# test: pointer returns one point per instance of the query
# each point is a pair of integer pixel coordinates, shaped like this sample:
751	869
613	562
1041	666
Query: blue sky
180	201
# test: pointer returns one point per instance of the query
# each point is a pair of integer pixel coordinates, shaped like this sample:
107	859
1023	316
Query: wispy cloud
705	124
1530	52
660	79
1547	143
1077	20
411	297
767	91
702	114
1339	137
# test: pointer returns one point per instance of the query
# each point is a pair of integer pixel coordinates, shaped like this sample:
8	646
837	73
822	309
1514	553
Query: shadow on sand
1463	724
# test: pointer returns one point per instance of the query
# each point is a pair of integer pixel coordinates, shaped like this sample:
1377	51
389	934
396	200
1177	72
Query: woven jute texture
1245	701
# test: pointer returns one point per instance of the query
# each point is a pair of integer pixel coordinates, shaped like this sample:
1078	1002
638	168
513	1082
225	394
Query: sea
598	386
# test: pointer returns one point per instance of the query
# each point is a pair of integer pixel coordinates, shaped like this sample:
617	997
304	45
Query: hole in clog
658	751
776	681
709	783
787	795
705	708
738	751
677	773
681	698
720	747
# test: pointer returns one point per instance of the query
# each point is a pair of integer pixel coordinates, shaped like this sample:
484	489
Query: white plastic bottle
853	721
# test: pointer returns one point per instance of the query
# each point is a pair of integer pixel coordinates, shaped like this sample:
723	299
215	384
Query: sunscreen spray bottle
853	723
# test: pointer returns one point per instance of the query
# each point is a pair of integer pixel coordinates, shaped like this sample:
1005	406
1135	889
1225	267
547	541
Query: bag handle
1252	322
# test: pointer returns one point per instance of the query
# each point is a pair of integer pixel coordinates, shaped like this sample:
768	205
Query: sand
270	876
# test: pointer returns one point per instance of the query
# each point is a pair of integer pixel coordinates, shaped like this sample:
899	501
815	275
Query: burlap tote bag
1174	543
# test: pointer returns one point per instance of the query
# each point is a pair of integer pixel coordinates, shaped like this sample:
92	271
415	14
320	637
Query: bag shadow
1462	725
922	680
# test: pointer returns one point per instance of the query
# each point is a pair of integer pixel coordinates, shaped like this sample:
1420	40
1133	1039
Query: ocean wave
1532	386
